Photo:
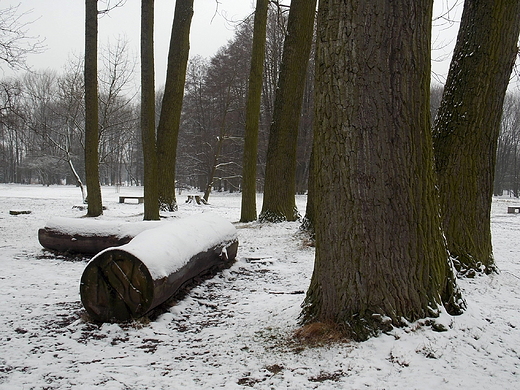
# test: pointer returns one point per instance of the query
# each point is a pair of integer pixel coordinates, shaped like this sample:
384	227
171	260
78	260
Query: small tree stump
124	283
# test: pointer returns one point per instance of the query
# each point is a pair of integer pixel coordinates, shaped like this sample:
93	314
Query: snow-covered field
234	331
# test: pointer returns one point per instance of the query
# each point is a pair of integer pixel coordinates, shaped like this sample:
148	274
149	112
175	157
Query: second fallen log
89	236
124	283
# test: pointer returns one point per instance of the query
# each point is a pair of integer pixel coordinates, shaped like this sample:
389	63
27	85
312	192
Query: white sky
61	24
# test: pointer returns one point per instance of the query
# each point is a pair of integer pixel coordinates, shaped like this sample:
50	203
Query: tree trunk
467	128
95	205
151	192
214	166
380	254
168	129
280	171
310	211
254	96
76	176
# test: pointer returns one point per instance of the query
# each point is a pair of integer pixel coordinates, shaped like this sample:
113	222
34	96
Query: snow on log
124	283
89	236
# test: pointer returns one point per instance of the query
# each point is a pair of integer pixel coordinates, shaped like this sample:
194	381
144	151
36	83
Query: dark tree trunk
380	254
168	129
151	192
254	96
280	171
95	205
467	128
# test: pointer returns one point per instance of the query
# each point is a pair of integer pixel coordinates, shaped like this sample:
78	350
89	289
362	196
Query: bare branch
15	42
109	7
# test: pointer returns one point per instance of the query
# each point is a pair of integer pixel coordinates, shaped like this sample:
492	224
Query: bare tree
11	133
15	41
151	191
168	128
253	106
95	205
507	171
280	181
118	119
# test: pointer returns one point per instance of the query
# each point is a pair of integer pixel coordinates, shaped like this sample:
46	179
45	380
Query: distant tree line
42	123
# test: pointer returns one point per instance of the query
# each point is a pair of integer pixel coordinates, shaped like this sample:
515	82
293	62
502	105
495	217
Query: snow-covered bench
122	198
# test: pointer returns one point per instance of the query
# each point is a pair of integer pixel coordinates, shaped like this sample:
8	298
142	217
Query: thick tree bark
95	205
254	96
169	121
380	254
280	171
151	191
467	128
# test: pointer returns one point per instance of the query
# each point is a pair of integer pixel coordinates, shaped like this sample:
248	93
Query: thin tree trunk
151	193
280	172
380	254
216	156
310	211
467	128
169	121
254	98
95	205
78	179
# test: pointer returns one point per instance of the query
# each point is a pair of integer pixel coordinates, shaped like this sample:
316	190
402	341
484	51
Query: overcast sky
61	24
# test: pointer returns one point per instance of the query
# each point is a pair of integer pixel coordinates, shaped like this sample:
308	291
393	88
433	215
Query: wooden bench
197	198
140	199
513	209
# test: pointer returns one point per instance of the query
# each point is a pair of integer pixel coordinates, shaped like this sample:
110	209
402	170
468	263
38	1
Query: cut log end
116	287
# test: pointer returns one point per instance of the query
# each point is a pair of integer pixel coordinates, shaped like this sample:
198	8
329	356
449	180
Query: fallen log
19	212
124	283
89	236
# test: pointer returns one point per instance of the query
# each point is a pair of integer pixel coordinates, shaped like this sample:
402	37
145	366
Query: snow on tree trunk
467	127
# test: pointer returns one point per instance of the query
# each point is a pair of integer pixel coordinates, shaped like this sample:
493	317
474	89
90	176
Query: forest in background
42	118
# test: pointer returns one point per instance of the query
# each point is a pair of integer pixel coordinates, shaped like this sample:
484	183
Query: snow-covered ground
234	331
